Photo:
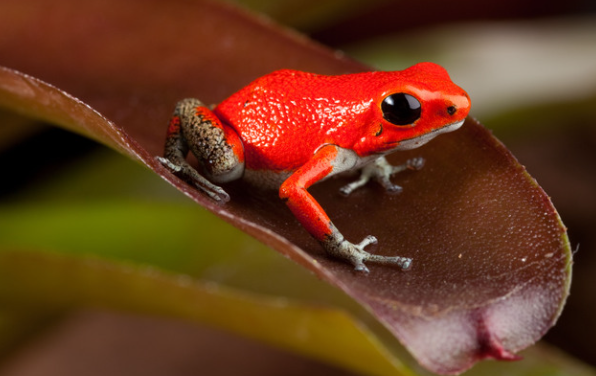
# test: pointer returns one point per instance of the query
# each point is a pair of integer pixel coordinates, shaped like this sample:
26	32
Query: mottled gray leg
188	129
382	171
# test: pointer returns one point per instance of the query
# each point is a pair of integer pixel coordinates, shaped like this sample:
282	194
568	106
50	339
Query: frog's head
417	104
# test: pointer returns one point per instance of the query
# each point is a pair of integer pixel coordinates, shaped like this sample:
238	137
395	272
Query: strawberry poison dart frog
289	130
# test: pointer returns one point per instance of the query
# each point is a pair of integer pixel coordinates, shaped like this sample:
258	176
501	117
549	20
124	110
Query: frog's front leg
327	161
217	147
382	171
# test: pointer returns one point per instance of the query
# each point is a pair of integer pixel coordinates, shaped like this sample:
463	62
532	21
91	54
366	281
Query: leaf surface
491	257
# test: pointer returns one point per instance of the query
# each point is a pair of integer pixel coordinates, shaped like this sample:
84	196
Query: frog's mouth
415	142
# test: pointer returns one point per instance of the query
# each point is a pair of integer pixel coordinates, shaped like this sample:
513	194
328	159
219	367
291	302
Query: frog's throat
415	142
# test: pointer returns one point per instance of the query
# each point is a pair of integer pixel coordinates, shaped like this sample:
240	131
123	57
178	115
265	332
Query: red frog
289	130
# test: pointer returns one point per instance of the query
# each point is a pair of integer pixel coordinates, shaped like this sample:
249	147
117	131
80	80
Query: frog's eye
401	109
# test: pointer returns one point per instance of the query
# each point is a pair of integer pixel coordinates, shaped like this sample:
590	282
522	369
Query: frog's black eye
401	109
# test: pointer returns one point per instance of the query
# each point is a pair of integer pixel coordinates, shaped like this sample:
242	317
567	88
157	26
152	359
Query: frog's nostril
451	110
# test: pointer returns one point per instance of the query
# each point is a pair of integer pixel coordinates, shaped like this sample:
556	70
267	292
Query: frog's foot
181	168
382	171
357	256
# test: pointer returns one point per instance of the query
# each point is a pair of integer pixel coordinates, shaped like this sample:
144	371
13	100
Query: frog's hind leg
217	147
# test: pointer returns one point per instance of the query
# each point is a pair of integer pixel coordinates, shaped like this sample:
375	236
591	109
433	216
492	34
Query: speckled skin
294	129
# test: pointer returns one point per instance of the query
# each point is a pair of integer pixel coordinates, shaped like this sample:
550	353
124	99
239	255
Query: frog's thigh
217	146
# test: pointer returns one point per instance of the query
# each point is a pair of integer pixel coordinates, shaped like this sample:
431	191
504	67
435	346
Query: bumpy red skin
283	118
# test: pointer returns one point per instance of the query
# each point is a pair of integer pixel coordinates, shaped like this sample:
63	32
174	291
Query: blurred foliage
308	14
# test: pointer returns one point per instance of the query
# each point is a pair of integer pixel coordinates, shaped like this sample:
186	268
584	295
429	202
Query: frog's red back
285	116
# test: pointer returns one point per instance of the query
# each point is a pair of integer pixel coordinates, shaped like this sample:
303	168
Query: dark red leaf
491	258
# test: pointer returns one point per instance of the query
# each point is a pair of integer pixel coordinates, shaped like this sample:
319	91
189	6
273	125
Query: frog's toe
183	169
169	164
393	188
404	263
217	193
351	187
367	241
415	163
360	267
388	185
358	261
